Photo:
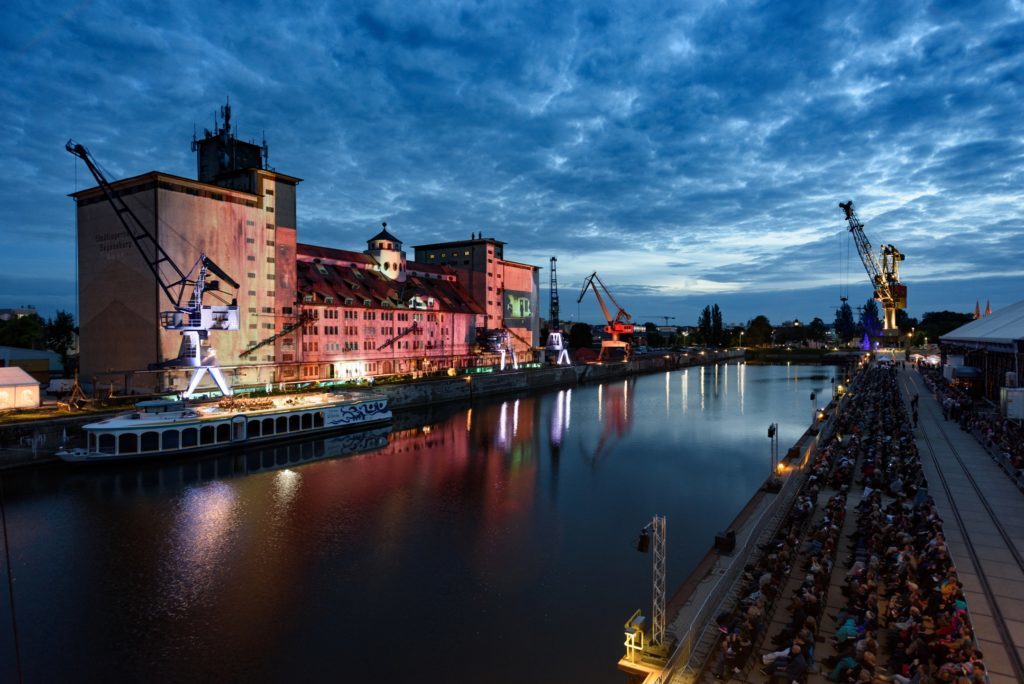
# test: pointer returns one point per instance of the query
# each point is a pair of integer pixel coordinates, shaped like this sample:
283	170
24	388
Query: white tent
18	389
999	331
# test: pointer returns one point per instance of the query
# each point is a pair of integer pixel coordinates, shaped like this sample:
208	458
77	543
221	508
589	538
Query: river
492	543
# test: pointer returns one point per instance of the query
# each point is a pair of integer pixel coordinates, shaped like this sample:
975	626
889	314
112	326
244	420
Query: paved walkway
940	443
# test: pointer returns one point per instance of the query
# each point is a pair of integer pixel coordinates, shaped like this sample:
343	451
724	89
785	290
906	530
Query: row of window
190	437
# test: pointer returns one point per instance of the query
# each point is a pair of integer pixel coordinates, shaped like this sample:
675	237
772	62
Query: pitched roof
1005	327
385	235
342	281
13	376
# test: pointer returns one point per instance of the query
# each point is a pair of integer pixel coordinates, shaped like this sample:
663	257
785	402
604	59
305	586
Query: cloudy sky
690	153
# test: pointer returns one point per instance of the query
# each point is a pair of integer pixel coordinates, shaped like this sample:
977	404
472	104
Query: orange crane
618	326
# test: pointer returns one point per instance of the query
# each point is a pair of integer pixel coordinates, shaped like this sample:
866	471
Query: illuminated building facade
306	312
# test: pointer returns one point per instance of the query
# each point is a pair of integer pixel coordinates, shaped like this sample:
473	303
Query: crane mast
618	325
885	276
190	316
556	340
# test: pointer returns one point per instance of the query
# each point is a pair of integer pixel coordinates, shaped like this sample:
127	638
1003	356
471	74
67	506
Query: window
251	257
270	293
269	309
270	276
270	243
251	274
250	222
270	192
270	210
271	226
189	437
170	439
270	260
150	441
251	241
252	293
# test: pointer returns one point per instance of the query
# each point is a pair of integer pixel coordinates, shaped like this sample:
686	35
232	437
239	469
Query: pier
982	514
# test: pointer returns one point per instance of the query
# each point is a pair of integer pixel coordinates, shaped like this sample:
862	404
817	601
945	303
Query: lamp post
741	337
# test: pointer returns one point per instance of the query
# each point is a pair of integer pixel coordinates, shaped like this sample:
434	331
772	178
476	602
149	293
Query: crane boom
618	325
190	316
885	277
147	244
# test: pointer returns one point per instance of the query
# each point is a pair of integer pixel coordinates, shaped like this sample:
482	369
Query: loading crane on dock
190	316
556	339
302	319
885	277
619	325
391	340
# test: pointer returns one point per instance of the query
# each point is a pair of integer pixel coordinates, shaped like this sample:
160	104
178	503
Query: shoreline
40	437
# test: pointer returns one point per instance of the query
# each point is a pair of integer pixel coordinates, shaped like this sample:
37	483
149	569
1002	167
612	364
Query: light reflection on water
502	532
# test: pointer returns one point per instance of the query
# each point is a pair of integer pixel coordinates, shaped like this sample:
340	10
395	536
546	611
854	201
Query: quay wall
33	442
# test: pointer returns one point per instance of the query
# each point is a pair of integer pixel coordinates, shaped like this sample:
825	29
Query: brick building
306	312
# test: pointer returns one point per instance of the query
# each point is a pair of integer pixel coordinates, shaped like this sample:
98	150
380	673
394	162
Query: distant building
306	312
40	364
17	312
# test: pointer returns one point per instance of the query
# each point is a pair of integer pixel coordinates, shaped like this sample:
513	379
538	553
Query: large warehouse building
305	312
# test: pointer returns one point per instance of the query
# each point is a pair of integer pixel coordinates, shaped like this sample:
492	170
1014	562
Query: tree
25	332
704	325
934	324
717	338
59	336
580	336
759	331
816	331
869	321
846	329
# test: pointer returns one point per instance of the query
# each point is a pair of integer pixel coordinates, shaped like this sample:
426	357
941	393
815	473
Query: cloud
672	149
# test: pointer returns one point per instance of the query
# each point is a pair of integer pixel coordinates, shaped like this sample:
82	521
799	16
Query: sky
690	153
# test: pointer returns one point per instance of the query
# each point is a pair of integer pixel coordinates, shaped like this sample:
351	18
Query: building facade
305	312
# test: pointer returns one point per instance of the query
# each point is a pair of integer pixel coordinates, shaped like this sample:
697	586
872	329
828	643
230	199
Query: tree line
32	331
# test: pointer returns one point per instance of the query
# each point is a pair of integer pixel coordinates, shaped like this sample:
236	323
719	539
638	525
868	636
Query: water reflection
288	556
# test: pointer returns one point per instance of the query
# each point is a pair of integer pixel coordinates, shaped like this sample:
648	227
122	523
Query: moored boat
174	427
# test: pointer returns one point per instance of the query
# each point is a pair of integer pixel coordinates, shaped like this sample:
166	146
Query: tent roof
12	375
1004	327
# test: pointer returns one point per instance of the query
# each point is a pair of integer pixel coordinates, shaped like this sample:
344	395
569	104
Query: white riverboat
174	427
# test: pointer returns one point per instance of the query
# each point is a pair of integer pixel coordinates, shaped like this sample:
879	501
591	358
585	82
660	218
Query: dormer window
320	268
328	299
366	302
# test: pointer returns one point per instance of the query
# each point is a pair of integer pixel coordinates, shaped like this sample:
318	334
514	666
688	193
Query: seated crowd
904	617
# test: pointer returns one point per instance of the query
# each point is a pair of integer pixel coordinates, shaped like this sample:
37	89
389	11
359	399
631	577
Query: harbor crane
619	325
885	277
556	339
185	291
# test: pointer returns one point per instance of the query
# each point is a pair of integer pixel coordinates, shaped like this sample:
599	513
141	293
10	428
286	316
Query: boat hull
135	437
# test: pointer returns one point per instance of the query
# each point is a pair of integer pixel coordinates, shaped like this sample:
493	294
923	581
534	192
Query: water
488	544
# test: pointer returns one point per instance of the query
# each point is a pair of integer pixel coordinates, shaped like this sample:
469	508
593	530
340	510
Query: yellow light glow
780	468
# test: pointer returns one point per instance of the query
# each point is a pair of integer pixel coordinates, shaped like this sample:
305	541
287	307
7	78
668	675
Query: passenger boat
174	427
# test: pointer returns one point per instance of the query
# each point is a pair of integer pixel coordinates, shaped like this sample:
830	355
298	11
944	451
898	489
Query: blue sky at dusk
690	153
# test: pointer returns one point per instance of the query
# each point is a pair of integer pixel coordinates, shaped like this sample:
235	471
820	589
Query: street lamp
741	337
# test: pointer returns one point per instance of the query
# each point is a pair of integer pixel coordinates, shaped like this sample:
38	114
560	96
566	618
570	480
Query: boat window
106	444
127	443
188	437
150	441
206	434
268	426
293	423
318	419
254	428
92	442
170	438
307	421
282	425
223	432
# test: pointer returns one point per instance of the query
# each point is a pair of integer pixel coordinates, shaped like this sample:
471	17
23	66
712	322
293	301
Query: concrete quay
982	511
